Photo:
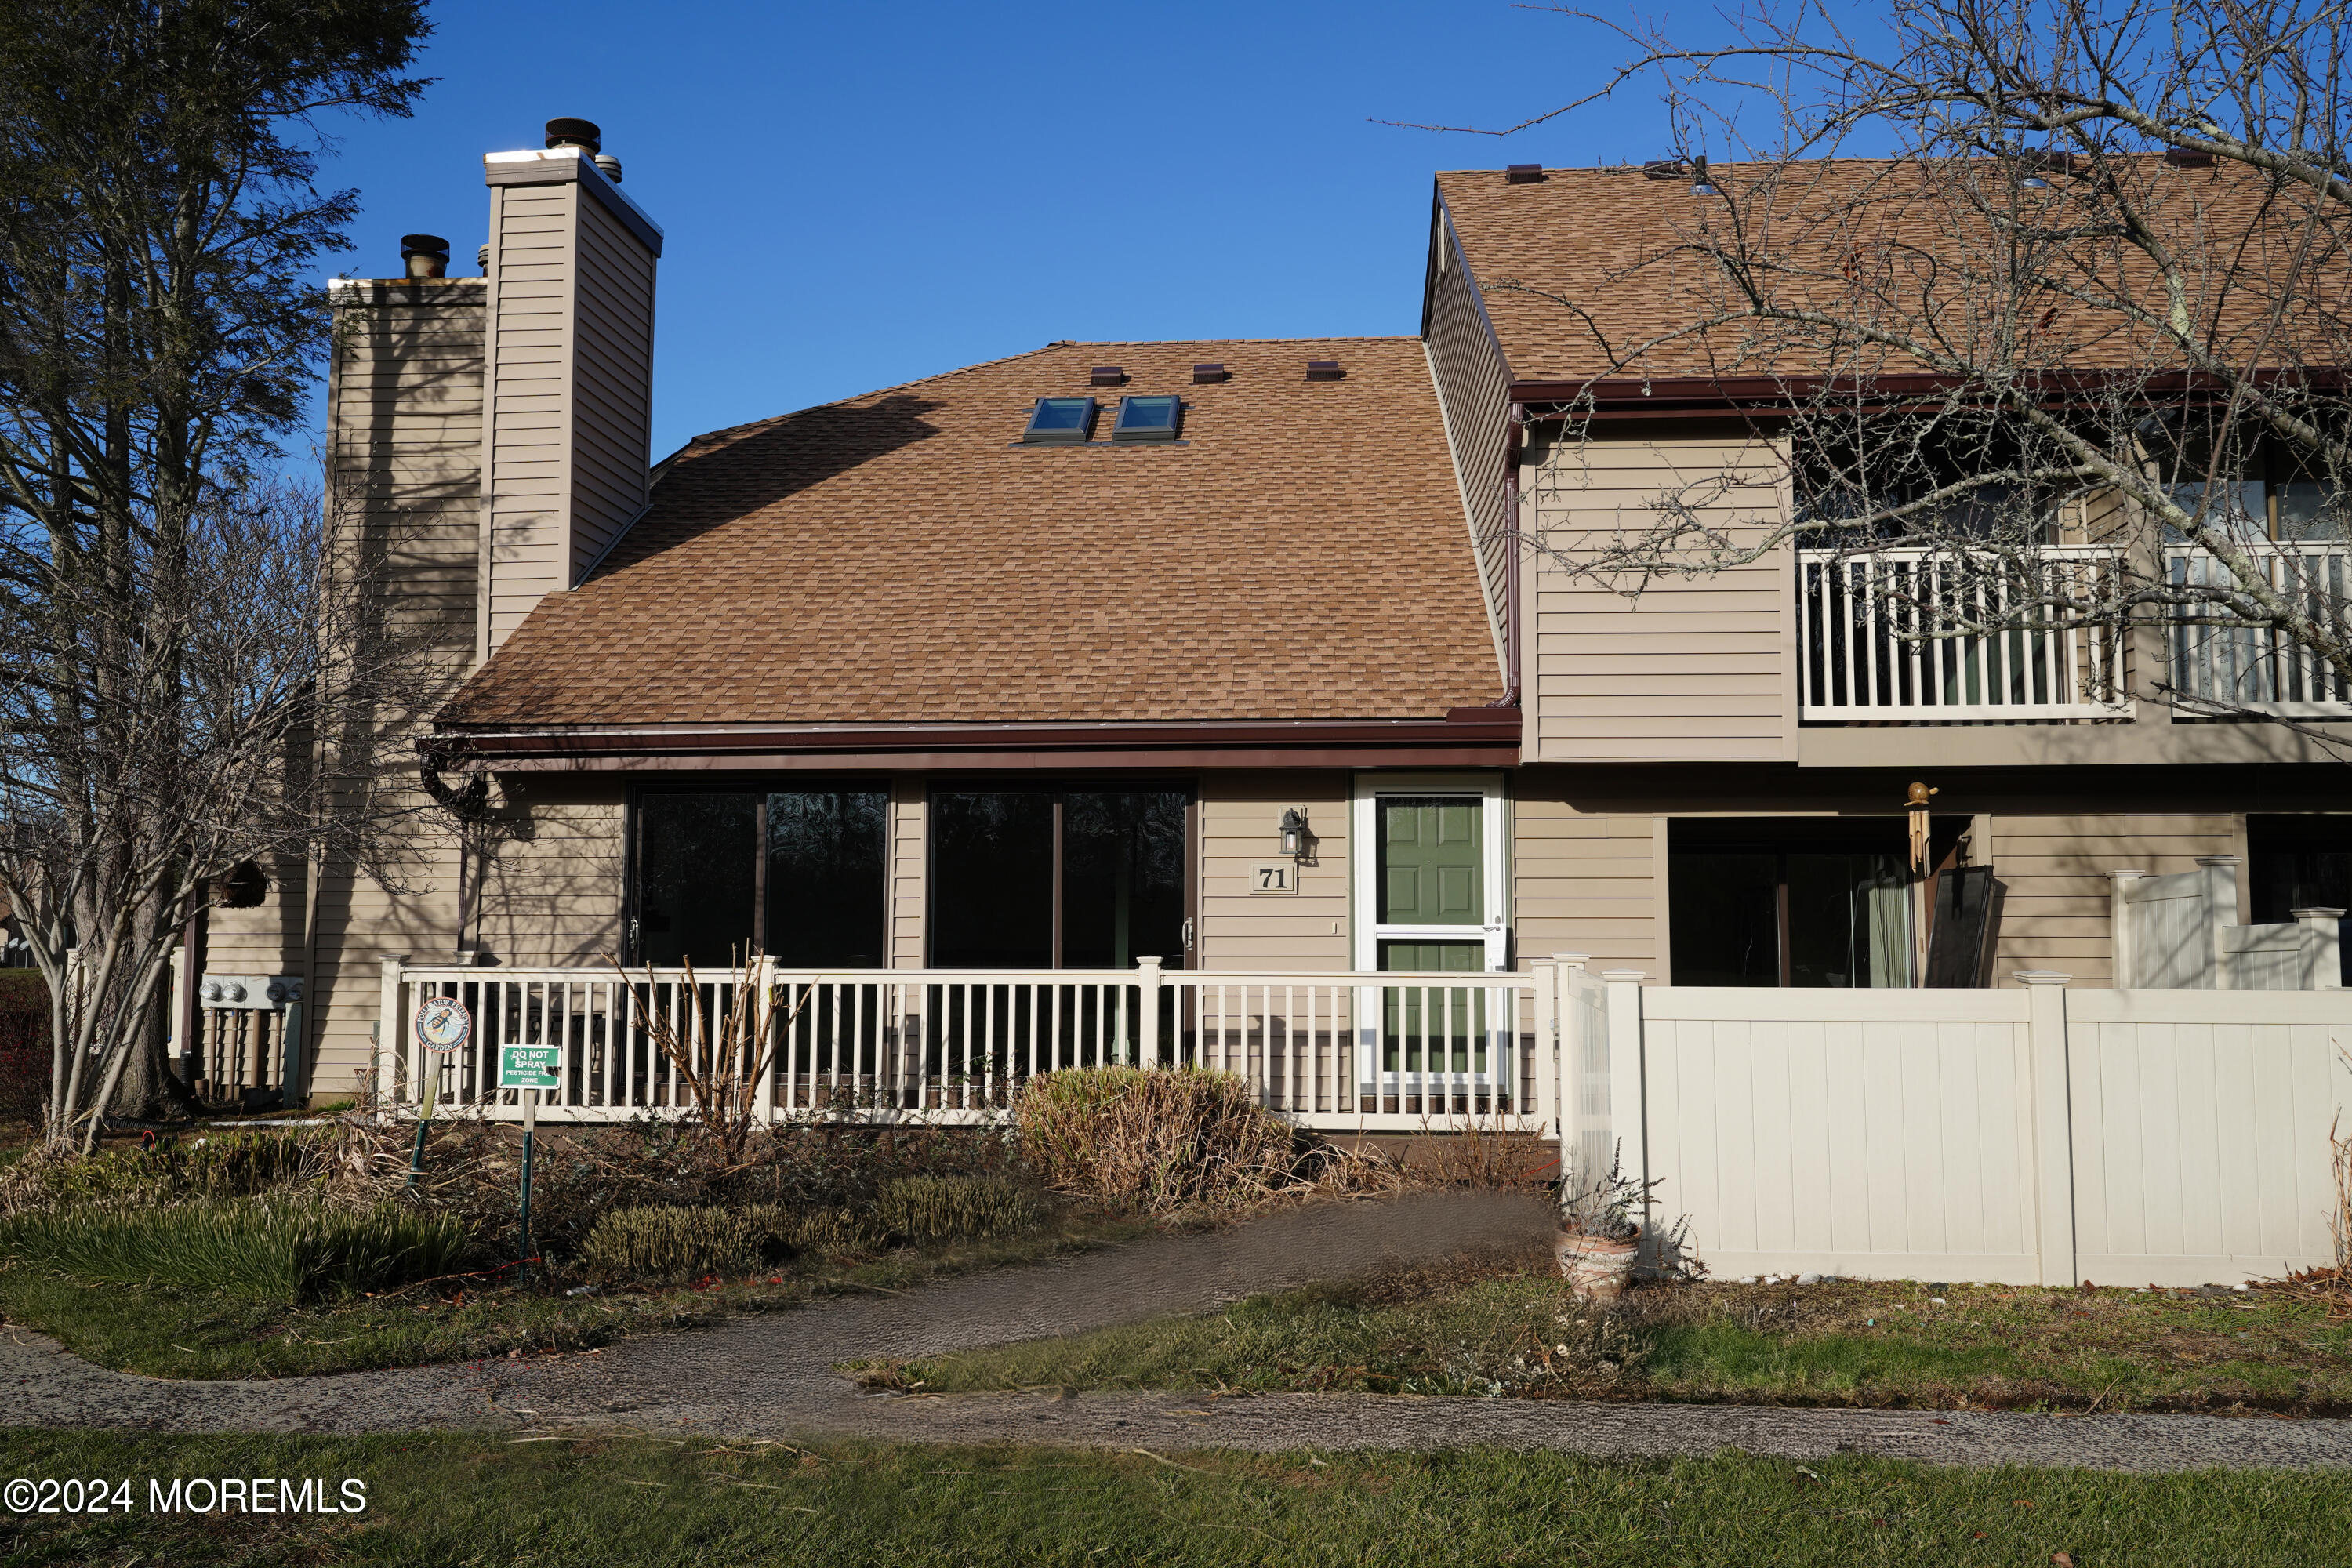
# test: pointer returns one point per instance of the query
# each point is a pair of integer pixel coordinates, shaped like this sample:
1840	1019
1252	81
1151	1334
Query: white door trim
1363	830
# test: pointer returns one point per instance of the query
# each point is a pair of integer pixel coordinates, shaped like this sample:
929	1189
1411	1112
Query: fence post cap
2040	976
2317	914
1622	974
1579	959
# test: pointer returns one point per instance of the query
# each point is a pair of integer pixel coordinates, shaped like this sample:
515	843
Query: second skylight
1148	419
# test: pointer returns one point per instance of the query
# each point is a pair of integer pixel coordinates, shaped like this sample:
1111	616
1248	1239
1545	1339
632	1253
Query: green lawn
169	1333
581	1504
1508	1327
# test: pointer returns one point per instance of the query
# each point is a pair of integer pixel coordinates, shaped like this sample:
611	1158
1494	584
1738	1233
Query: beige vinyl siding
359	923
1474	390
550	888
405	445
612	381
1585	883
909	860
1697	669
533	245
1241	818
571	378
2057	913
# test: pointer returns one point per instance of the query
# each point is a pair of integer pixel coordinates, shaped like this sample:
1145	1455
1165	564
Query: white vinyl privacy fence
2038	1134
2034	1134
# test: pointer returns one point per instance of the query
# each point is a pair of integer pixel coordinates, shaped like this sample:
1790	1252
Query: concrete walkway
771	1377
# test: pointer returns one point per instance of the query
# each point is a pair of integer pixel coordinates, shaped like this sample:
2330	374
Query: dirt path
771	1377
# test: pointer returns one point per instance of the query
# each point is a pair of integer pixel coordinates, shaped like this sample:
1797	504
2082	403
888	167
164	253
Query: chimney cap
423	244
575	133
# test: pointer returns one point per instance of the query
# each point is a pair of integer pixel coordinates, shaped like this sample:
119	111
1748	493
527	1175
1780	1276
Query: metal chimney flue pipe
581	134
425	255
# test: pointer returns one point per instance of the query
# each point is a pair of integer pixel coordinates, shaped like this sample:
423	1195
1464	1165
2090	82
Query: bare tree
183	647
2002	274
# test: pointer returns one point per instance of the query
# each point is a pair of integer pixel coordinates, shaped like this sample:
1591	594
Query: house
1225	655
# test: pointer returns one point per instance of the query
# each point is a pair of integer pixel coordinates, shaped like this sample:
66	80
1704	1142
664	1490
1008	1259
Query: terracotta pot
1595	1266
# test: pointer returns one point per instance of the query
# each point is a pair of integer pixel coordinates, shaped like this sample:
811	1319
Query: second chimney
569	379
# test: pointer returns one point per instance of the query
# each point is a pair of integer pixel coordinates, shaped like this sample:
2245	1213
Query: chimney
567	372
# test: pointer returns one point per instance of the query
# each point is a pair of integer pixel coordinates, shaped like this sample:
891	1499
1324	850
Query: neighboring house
1036	663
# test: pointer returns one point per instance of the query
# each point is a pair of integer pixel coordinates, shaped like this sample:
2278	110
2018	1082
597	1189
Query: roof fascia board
1478	729
1482	755
563	166
1720	392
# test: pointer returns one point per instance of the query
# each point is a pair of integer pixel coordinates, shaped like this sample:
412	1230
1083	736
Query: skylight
1148	419
1062	419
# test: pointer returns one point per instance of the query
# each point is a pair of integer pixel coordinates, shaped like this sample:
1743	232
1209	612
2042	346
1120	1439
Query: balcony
2233	671
1873	643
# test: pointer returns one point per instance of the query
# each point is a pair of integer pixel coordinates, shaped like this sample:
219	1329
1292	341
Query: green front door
1432	873
1433	861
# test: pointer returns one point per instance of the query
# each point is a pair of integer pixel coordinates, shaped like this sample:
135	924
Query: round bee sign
443	1024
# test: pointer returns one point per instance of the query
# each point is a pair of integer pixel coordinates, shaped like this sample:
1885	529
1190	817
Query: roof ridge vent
1325	369
1523	173
1206	375
1107	375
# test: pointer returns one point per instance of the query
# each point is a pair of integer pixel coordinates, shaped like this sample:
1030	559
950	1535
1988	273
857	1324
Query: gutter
1462	729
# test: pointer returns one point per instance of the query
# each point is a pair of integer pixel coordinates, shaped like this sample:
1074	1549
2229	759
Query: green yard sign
528	1067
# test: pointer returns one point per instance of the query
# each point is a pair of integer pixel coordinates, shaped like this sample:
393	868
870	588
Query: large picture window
1088	878
1790	902
799	874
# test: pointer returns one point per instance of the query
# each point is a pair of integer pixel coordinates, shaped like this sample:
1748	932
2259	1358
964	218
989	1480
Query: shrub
932	1208
286	1251
667	1241
213	1166
1161	1138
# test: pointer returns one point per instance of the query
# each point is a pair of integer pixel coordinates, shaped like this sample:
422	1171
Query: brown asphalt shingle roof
1582	267
900	557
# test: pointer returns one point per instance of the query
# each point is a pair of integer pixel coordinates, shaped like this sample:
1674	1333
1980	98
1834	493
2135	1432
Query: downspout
1513	442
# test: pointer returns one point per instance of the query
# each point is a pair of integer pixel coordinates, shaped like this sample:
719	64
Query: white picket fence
2036	1134
1385	1052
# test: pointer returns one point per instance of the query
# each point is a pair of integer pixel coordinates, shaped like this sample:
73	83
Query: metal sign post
527	1070
443	1027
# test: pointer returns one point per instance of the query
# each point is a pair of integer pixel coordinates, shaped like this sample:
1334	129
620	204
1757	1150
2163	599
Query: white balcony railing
1871	644
1353	1051
2255	670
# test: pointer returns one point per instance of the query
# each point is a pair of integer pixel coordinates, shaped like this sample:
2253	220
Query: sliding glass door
798	874
1796	903
1087	878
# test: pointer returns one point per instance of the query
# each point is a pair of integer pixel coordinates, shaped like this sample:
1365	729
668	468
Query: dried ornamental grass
1163	1139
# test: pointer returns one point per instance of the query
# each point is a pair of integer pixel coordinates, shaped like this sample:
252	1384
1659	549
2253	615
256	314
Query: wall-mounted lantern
1294	833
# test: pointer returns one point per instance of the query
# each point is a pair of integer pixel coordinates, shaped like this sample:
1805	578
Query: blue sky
860	195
